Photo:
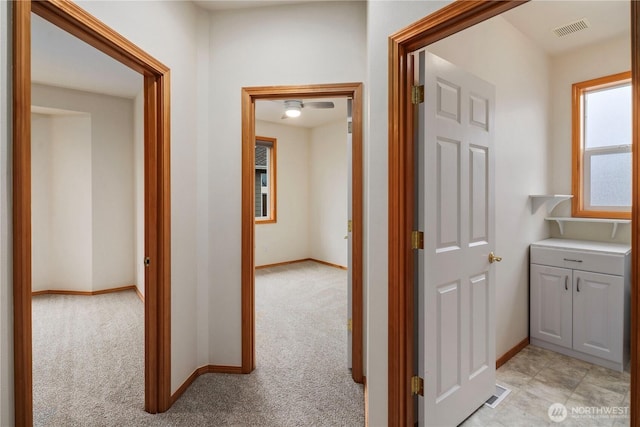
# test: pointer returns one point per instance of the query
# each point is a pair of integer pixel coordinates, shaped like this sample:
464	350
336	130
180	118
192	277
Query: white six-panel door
456	212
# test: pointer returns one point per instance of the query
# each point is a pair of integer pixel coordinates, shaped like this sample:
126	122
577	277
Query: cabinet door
598	304
551	304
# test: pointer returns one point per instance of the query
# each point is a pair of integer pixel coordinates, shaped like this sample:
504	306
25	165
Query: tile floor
538	378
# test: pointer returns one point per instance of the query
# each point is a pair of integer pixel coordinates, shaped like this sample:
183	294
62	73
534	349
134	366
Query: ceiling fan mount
293	107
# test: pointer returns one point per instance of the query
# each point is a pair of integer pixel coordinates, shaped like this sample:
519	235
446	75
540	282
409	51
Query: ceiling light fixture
292	108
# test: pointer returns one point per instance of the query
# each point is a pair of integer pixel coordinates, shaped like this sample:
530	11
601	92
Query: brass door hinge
417	94
417	385
417	240
350	325
350	226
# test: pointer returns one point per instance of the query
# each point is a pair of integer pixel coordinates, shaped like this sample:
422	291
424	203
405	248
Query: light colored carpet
88	357
301	376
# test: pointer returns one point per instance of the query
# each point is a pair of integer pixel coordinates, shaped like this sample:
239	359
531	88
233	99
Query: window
602	147
265	179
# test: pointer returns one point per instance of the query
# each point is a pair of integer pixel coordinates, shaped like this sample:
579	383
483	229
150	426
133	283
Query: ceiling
245	4
537	19
60	59
272	111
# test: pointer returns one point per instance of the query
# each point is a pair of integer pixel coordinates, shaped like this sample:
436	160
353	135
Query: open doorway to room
154	135
555	76
296	177
87	195
302	241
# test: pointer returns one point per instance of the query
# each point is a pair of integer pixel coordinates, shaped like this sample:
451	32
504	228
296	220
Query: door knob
494	258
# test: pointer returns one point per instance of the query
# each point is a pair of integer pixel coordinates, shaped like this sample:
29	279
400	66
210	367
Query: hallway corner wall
169	32
108	186
315	56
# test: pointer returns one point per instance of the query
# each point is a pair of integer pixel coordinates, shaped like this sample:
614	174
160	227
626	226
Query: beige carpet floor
88	360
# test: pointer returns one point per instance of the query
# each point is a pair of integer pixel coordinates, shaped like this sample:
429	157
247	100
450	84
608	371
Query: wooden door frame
442	23
73	19
249	96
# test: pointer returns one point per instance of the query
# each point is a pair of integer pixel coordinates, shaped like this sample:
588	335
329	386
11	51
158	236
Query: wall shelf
551	200
614	222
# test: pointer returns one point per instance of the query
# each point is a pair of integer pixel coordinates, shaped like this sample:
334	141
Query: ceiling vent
572	27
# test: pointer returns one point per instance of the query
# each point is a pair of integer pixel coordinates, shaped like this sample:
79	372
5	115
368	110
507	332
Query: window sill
265	221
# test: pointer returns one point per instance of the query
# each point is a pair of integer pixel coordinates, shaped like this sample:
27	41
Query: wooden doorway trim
71	18
249	96
453	18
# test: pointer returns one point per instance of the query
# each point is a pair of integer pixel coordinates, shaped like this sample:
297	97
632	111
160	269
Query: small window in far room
265	180
602	147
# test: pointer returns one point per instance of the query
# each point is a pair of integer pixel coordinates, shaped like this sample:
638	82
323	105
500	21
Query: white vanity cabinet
579	299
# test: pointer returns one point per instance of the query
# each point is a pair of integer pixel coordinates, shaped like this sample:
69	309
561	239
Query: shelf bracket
560	226
614	230
550	200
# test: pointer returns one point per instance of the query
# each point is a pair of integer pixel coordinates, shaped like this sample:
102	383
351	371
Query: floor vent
498	396
572	27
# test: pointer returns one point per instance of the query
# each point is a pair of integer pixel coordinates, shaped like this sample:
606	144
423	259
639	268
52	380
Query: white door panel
457	329
447	194
448	336
480	321
479	183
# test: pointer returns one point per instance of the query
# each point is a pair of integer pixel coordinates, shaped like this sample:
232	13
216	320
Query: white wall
71	203
254	47
111	192
288	238
169	32
40	199
6	296
62	202
203	238
328	193
605	58
138	190
498	53
113	223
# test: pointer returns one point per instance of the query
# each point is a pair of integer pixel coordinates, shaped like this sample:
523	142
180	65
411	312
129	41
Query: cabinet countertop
584	245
